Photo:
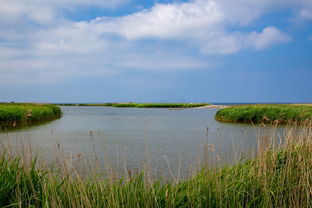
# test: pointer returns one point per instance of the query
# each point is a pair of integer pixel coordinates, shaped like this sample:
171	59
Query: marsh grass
279	175
22	114
266	113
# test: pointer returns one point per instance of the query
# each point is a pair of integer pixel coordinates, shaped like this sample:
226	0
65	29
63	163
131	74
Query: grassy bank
20	114
265	113
143	105
279	177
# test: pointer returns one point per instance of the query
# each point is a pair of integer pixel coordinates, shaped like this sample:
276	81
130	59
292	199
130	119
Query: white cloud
164	21
8	52
71	39
220	43
194	18
162	62
306	14
59	48
46	11
229	43
202	24
268	37
53	69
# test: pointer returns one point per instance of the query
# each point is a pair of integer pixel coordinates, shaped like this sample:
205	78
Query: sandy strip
213	106
303	104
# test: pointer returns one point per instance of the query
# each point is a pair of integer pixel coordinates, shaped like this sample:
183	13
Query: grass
20	114
265	113
280	176
143	105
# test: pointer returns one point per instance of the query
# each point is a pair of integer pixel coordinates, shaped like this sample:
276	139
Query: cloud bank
37	43
46	11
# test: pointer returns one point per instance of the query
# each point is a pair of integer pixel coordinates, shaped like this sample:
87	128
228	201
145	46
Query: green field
21	114
266	113
143	105
276	178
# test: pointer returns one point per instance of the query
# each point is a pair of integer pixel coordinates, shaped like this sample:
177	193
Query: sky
90	51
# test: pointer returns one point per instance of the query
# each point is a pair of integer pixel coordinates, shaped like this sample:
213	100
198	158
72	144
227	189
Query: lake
132	138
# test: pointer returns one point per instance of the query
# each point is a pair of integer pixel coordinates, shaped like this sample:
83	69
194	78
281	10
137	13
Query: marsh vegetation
279	176
141	105
266	113
22	114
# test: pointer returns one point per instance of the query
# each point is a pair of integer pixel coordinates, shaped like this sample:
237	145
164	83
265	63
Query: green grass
266	113
144	105
276	178
20	114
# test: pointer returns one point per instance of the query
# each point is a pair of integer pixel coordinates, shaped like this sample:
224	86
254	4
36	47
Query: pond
171	142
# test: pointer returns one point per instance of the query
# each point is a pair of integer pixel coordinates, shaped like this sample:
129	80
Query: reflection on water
158	137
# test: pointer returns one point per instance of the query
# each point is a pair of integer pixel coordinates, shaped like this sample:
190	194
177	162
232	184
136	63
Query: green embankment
143	105
21	114
280	178
266	113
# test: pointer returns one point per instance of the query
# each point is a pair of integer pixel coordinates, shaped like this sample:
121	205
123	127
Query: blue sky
156	51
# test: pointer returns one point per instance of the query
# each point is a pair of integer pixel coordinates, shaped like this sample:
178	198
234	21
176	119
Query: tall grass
279	176
265	113
19	114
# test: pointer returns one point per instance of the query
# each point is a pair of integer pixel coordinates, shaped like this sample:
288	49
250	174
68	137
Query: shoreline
142	105
214	106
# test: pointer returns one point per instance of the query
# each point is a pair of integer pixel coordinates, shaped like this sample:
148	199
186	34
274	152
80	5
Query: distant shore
214	106
141	105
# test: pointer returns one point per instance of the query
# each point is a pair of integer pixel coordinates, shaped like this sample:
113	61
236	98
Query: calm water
135	137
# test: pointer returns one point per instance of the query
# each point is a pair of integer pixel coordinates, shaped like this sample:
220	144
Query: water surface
134	137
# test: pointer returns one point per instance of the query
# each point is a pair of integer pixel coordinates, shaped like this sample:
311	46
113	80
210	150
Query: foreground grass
278	177
20	114
265	113
143	105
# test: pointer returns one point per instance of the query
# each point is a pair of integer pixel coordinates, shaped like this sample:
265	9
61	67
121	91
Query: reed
22	114
279	176
266	113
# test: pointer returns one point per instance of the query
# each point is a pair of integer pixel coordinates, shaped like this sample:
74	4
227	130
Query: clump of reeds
266	113
279	176
22	114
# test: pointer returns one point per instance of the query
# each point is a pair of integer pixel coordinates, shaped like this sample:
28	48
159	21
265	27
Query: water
134	137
